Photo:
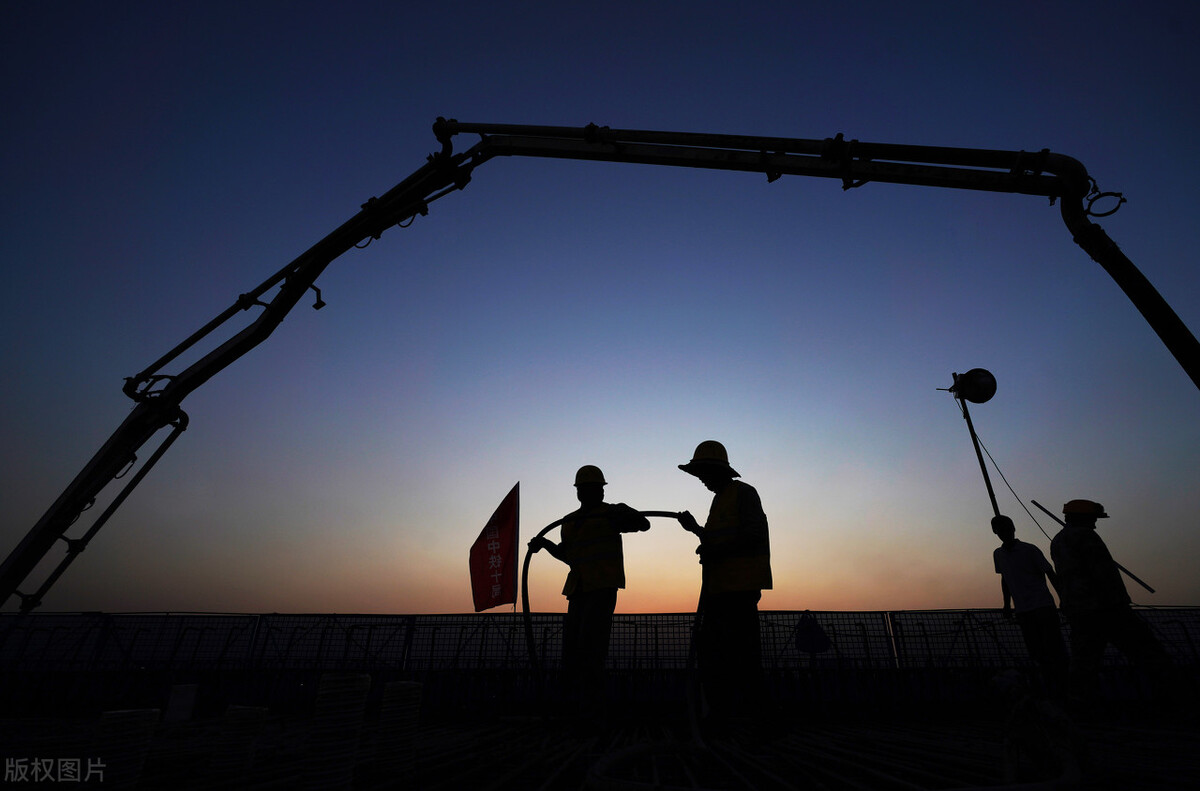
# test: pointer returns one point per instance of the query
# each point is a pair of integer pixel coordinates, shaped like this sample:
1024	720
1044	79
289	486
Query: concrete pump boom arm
158	397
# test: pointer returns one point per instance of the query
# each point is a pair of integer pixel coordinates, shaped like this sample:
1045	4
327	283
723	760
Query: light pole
977	386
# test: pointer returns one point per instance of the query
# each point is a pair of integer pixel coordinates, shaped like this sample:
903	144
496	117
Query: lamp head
976	385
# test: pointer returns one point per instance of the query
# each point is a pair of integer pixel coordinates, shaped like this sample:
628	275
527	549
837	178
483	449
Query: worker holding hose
591	546
735	552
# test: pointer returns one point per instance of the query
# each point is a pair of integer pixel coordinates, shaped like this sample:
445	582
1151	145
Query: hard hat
1085	507
709	455
589	473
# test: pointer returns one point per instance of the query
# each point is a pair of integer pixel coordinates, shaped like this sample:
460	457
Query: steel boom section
1041	173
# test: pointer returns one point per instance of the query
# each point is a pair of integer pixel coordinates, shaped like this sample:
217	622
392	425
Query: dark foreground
253	748
907	700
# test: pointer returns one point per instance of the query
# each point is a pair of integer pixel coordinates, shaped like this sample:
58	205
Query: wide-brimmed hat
1085	507
710	455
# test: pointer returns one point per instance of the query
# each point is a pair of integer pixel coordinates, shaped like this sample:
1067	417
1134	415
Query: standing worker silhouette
1023	571
591	547
1096	603
735	552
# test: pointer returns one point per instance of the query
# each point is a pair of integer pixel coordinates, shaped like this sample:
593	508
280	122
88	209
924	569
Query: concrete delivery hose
534	660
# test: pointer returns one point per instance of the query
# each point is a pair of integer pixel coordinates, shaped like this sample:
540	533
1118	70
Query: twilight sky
158	159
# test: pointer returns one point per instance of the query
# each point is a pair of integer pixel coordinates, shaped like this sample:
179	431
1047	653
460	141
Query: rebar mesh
414	643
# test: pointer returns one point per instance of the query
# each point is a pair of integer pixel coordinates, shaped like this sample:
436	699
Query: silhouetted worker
1023	571
735	551
591	546
1096	604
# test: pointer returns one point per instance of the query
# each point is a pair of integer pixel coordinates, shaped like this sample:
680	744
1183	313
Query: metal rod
1128	573
978	453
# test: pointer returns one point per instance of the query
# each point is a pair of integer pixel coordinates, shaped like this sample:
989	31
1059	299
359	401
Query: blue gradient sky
161	158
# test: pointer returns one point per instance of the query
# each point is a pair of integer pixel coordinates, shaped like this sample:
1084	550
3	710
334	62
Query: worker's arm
628	519
556	551
1007	598
689	523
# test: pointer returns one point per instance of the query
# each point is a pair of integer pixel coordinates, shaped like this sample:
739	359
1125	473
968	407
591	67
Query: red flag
494	556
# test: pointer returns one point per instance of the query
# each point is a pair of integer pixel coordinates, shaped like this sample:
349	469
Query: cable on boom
1006	483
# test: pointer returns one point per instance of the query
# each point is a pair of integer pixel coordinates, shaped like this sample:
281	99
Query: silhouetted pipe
155	410
530	643
77	545
854	162
1178	339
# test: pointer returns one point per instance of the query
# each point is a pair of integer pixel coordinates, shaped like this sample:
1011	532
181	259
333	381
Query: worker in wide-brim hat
735	554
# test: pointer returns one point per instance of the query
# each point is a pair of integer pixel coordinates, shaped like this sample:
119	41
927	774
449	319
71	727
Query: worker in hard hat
1096	604
1024	571
735	554
591	546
